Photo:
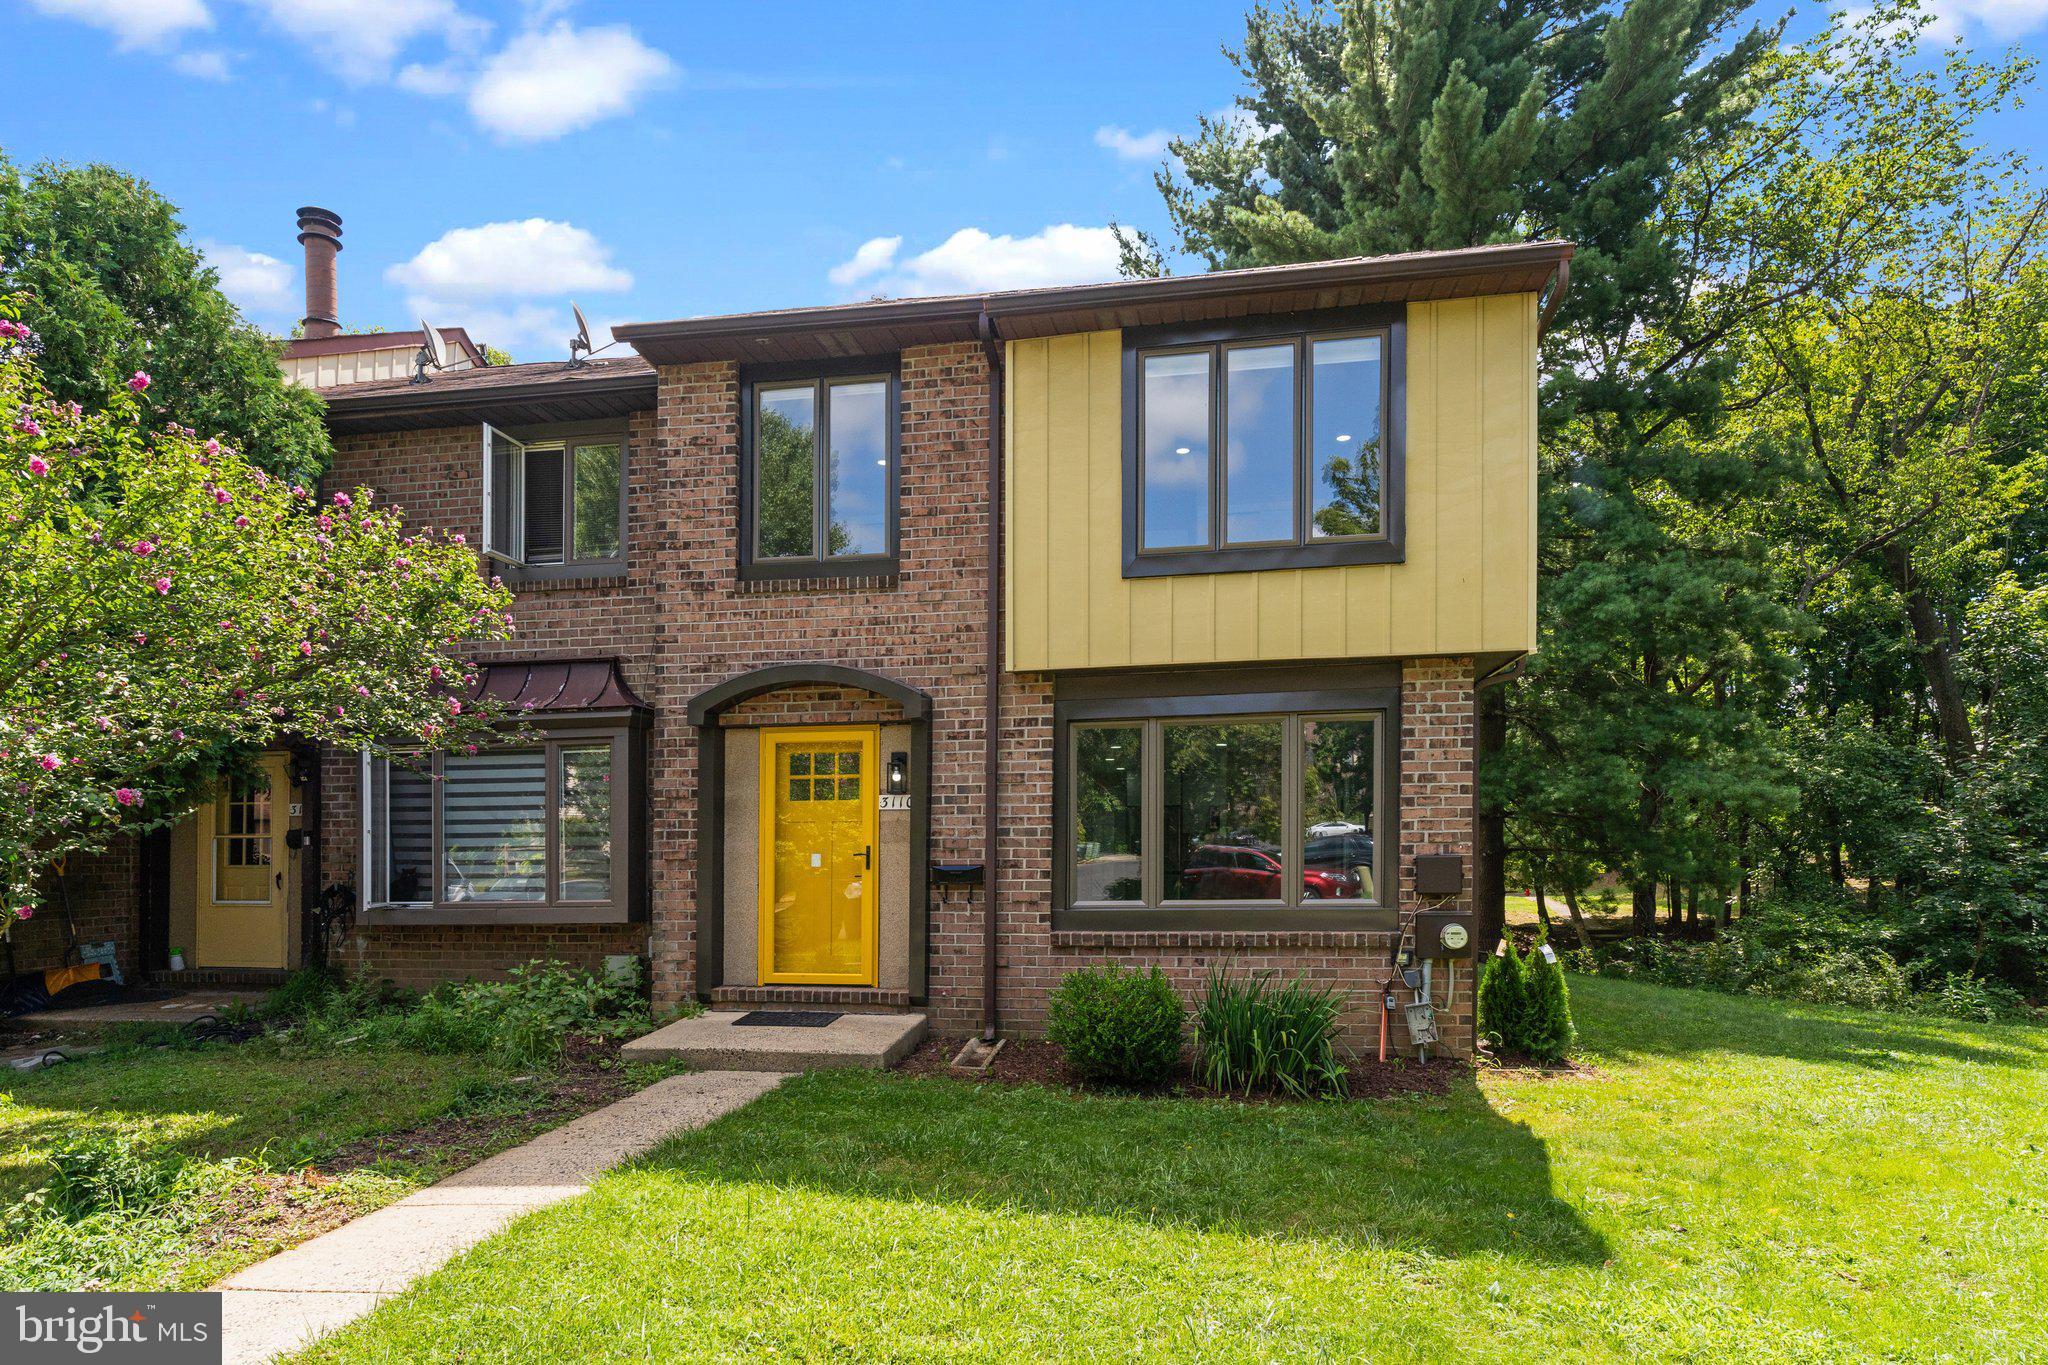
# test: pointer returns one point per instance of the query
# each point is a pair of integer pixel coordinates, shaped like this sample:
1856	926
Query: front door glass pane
785	470
859	429
241	843
1222	810
1175	445
494	823
1108	820
820	865
1336	808
1258	409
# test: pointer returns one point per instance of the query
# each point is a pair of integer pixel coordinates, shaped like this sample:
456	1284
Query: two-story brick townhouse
1220	561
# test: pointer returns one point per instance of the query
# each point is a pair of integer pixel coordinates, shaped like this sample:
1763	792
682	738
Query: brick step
854	999
246	978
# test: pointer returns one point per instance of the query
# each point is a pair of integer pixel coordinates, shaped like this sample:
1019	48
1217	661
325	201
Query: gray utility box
1429	934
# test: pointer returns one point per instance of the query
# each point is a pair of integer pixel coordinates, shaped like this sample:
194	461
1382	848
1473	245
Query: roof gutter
992	701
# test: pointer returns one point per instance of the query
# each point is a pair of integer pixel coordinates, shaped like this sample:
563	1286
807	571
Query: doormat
787	1018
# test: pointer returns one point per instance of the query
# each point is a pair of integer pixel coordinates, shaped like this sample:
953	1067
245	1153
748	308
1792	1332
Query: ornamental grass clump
1253	1036
1117	1026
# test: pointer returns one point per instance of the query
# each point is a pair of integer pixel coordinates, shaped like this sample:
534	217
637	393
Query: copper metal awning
535	686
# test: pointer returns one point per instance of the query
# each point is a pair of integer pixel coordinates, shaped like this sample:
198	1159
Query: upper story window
555	504
819	471
1264	446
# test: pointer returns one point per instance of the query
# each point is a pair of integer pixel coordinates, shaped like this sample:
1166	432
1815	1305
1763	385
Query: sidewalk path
282	1304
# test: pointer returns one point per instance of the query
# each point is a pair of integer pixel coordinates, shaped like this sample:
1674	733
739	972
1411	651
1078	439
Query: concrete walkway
282	1304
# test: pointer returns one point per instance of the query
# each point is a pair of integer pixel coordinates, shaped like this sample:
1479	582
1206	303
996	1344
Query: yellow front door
818	855
241	901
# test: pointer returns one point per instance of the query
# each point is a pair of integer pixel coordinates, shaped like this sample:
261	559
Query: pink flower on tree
38	466
213	447
343	500
454	707
163	585
24	912
306	648
50	763
242	523
127	796
139	381
144	547
29	426
221	496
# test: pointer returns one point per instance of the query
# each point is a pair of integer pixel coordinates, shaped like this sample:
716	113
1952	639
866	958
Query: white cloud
134	23
550	82
531	258
361	39
445	78
205	66
972	260
1130	146
2001	19
255	282
874	256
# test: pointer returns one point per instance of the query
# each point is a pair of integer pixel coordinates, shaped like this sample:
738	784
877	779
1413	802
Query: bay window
532	832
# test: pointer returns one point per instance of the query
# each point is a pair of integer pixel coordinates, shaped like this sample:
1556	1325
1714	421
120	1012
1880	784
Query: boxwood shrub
1117	1026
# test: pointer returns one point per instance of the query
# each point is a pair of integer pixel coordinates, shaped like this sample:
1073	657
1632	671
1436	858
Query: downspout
992	705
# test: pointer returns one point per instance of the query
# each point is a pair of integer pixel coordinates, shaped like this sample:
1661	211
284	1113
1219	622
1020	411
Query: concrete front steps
716	1041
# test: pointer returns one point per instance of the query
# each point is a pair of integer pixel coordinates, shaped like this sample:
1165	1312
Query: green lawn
1743	1180
252	1110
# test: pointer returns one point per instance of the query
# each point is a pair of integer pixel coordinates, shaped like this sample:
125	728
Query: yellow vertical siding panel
1368	610
1109	606
1411	626
1152	617
1068	473
1462	381
1194	619
1508	436
1278	615
1325	627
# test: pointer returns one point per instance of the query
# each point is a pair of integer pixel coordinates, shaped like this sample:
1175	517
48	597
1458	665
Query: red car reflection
1220	872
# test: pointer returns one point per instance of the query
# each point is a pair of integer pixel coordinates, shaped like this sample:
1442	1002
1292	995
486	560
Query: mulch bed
1031	1062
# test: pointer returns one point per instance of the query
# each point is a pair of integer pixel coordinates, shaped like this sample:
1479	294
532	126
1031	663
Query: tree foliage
99	265
172	607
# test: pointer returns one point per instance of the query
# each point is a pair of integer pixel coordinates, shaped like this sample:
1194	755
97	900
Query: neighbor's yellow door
241	902
818	855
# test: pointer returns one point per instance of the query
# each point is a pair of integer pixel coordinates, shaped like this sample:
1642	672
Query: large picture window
1226	820
556	505
820	473
1263	447
531	832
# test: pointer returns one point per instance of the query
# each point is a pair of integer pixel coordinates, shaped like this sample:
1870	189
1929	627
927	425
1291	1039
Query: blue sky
492	160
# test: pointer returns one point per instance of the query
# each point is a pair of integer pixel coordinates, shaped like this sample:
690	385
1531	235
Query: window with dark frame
554	504
1264	813
820	473
1266	445
529	827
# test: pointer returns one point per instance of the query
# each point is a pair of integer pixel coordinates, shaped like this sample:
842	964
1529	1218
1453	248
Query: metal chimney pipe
320	235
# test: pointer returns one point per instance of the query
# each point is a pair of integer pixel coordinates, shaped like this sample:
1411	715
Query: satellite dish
580	347
433	352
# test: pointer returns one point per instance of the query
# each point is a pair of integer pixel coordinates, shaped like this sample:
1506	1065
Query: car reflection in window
1218	872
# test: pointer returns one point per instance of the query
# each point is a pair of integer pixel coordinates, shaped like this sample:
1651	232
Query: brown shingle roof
544	391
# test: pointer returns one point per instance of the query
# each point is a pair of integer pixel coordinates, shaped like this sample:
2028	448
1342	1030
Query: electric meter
1455	937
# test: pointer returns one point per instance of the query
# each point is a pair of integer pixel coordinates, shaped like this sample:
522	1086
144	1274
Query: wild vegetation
1793	603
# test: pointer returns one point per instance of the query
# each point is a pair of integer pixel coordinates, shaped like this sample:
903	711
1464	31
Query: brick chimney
320	235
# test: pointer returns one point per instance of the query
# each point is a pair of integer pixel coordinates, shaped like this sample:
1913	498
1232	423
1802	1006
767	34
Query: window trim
820	374
1119	704
566	437
627	903
1388	321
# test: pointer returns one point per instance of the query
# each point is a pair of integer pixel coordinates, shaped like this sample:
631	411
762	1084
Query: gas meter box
1443	933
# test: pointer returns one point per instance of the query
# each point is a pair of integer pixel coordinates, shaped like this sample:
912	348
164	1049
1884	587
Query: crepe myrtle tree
170	608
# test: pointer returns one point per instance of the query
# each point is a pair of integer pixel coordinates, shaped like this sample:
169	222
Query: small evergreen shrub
1117	1026
1251	1035
1547	1032
1503	990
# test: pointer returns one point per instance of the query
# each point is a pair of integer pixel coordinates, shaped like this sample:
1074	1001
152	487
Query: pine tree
1392	125
1503	997
1547	1032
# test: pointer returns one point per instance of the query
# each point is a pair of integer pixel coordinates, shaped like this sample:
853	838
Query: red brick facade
680	621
